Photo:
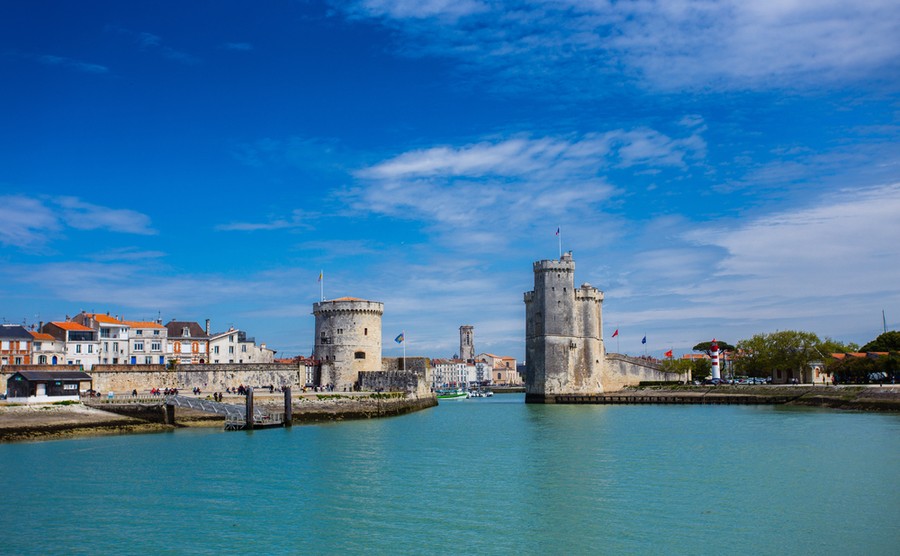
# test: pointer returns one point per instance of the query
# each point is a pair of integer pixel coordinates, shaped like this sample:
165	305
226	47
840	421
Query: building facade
15	345
233	346
347	339
112	333
186	342
564	349
82	344
147	342
47	350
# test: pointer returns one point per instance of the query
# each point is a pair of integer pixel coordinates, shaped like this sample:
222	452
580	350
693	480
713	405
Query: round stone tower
348	339
466	342
563	336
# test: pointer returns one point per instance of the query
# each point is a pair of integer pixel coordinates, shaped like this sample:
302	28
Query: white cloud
29	222
26	221
667	44
297	219
77	65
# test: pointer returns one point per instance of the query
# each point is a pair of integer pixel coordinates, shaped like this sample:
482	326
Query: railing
235	415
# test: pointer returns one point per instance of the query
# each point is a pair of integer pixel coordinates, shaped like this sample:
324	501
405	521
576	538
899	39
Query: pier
235	414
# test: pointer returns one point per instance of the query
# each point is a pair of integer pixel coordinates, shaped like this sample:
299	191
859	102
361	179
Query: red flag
669	353
616	333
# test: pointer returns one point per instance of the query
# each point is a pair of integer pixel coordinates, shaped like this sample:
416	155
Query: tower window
359	355
365	331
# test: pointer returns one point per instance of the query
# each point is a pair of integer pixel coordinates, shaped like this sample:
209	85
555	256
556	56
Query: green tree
706	347
829	346
788	351
700	368
888	341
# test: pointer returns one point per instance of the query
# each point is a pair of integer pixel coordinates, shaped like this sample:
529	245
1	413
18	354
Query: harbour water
485	476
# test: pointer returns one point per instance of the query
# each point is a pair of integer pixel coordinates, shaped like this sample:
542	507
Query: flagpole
404	349
322	285
559	238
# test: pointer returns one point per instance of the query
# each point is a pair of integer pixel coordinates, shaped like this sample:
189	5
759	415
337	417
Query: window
230	349
90	348
216	350
156	346
231	338
148	360
156	332
116	347
244	348
138	332
340	330
139	346
37	346
77	348
359	355
365	331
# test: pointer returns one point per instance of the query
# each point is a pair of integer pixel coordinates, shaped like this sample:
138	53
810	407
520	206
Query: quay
852	397
235	414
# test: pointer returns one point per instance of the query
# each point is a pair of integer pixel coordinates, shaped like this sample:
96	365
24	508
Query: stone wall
621	371
207	377
395	381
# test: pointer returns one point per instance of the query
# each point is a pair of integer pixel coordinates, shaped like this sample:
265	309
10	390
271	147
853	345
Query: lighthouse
715	359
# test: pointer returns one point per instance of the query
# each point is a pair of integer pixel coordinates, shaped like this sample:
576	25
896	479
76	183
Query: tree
706	347
830	345
888	341
700	368
788	351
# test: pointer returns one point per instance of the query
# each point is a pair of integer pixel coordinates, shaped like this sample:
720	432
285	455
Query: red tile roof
67	325
42	336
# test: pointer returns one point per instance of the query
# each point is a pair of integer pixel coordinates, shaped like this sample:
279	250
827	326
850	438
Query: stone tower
564	351
348	339
466	342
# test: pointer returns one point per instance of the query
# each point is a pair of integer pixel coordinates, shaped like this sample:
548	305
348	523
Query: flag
644	341
557	230
399	339
616	333
320	276
669	353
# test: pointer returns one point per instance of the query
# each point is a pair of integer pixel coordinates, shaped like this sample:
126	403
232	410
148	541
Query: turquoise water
483	476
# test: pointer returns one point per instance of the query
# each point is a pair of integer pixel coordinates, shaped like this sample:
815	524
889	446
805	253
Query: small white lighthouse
715	359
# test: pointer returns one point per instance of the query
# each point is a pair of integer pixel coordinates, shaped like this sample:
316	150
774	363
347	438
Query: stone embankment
51	421
864	398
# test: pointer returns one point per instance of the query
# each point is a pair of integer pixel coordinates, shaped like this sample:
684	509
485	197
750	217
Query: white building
113	336
233	346
82	342
47	350
147	343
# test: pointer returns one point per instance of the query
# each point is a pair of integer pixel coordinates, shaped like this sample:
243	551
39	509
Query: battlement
564	264
348	305
529	297
588	292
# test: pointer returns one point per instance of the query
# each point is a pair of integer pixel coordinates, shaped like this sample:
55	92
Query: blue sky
718	168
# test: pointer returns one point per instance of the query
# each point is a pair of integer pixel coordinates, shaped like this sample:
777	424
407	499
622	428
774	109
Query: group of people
164	392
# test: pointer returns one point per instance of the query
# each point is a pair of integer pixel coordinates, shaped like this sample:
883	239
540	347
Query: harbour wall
621	371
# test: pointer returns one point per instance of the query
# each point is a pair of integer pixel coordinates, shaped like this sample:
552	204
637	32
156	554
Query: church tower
466	342
564	351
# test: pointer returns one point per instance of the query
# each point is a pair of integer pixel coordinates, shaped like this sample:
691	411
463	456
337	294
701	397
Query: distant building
347	339
82	342
503	369
112	334
147	342
15	345
46	350
233	346
449	373
187	342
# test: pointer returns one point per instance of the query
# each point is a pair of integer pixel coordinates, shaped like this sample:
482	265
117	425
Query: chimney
41	326
207	327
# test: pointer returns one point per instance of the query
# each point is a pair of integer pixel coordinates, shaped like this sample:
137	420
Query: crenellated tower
564	351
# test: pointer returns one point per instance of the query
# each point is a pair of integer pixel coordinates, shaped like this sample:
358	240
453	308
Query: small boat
451	394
